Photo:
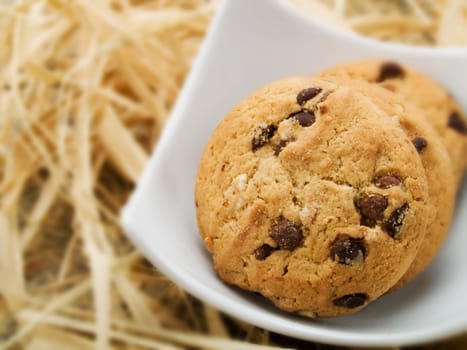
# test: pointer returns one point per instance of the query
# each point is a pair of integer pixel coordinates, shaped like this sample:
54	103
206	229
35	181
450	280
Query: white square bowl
249	44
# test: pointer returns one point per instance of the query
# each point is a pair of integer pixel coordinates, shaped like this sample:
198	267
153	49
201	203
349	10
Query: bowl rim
275	322
130	218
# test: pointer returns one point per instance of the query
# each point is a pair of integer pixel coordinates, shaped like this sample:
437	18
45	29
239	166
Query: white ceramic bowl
249	44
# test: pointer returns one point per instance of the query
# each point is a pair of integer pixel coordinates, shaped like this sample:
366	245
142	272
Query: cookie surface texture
310	195
439	108
435	160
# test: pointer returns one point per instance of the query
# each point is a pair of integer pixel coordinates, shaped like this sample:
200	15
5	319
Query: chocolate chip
372	206
364	221
394	224
43	173
286	233
346	249
457	123
304	118
386	181
389	70
279	146
351	301
263	252
307	94
419	143
263	136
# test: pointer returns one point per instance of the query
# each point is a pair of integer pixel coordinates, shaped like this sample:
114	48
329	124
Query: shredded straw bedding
86	87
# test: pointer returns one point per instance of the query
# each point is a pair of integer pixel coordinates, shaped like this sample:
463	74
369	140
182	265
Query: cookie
310	195
435	159
438	107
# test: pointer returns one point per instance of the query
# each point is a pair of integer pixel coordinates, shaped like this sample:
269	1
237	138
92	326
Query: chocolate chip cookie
438	107
435	159
312	196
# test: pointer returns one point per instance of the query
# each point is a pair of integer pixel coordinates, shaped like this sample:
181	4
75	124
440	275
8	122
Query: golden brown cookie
311	195
435	160
439	109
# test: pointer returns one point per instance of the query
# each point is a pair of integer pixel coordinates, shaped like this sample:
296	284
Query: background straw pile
85	89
